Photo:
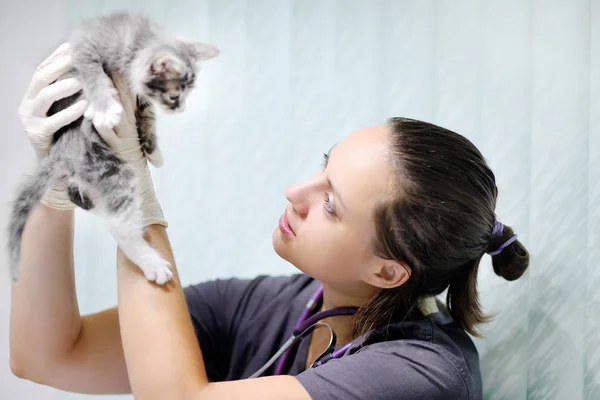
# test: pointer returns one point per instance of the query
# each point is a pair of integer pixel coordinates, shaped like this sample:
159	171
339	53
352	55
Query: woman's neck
332	298
341	325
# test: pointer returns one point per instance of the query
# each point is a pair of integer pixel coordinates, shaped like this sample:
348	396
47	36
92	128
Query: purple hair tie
498	230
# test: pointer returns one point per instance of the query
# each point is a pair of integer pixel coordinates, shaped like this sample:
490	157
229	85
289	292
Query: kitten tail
30	194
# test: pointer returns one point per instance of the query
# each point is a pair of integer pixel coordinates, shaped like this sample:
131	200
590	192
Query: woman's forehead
359	167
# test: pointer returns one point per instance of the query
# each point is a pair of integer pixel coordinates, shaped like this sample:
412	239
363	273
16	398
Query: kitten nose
174	97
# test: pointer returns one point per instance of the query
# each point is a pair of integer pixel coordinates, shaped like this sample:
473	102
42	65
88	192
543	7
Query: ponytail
510	263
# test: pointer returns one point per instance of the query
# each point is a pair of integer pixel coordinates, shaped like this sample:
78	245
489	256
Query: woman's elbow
16	368
24	367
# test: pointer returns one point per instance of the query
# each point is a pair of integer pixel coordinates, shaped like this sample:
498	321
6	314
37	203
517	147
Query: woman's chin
282	247
279	245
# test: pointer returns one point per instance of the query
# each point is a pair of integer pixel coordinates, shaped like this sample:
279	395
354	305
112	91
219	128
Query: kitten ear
204	51
166	66
199	51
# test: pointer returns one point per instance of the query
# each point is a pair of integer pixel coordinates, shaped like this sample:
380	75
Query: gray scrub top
241	323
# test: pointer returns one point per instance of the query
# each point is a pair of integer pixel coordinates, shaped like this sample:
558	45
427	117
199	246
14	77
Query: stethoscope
305	326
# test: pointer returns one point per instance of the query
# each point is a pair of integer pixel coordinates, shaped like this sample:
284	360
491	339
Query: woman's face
330	215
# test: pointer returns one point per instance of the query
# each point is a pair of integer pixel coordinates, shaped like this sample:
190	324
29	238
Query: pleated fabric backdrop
520	78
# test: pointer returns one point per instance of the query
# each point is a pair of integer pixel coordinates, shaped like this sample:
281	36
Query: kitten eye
156	87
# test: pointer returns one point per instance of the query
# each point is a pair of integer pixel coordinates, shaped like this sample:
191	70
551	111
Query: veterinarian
398	214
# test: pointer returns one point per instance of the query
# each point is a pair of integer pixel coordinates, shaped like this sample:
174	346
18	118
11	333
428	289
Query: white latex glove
43	90
124	141
41	93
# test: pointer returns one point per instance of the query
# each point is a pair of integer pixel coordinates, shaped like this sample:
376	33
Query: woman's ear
387	274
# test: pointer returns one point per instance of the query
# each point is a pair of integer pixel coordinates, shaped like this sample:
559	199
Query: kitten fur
158	69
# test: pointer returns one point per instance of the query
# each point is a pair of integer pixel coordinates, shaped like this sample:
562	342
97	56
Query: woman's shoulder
437	330
258	288
436	342
251	298
428	358
265	291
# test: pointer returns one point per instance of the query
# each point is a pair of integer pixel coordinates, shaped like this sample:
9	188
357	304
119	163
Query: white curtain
519	78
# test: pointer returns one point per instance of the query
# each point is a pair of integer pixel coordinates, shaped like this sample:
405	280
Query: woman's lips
284	226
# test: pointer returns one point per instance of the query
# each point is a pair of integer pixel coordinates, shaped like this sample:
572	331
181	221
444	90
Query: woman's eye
325	159
328	206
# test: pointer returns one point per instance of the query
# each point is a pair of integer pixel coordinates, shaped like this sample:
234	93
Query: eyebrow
335	192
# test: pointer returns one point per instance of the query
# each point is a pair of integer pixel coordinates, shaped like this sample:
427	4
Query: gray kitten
157	68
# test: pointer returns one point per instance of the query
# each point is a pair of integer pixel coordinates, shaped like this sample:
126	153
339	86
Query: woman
398	214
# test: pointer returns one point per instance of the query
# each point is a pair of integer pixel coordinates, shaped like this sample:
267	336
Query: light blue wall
519	78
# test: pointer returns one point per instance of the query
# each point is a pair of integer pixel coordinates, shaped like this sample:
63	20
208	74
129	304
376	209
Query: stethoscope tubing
302	330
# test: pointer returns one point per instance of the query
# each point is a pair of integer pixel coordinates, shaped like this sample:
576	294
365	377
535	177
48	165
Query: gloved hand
41	93
123	139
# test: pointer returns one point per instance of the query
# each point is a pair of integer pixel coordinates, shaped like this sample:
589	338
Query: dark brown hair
438	220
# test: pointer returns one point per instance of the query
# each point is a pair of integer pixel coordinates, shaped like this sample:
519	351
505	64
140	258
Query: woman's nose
299	195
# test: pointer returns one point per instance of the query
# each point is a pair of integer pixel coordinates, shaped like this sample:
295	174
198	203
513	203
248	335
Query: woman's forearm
44	317
161	350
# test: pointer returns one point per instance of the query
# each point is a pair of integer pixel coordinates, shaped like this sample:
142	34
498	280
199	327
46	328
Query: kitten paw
105	118
155	158
158	271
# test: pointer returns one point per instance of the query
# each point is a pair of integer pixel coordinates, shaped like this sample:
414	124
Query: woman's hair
439	220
